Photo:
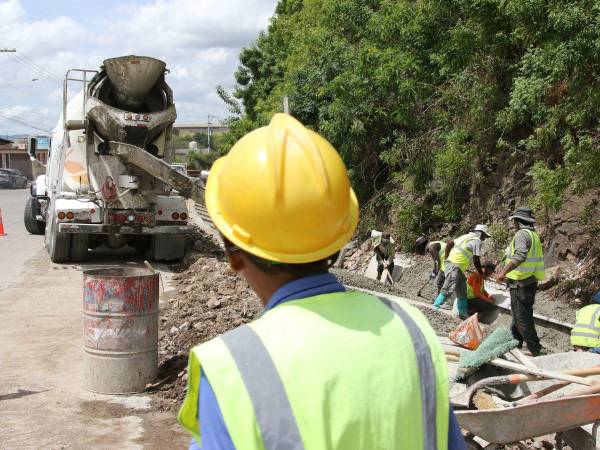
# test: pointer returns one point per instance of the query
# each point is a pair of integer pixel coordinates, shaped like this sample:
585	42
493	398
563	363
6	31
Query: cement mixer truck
108	179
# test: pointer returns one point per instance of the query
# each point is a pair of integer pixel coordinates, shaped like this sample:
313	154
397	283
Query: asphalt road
43	403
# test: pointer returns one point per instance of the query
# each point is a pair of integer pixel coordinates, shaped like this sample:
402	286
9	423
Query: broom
495	345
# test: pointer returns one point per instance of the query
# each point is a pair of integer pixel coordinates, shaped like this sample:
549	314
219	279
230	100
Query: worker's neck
265	285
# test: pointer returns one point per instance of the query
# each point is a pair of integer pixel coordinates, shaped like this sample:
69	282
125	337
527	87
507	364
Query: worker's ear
236	260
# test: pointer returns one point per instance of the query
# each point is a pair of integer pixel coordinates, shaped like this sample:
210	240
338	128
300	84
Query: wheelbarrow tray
507	425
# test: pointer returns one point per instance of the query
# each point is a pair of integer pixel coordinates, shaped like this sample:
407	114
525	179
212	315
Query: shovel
464	399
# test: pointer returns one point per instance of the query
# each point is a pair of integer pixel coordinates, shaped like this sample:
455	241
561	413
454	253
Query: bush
550	186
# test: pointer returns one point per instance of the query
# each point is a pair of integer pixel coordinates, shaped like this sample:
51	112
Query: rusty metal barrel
120	329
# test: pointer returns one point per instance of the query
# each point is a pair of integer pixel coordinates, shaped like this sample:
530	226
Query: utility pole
208	124
286	104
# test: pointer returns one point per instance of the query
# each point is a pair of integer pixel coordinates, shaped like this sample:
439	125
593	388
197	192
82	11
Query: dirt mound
210	301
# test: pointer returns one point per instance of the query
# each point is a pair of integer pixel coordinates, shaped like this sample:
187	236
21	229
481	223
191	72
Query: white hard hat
483	228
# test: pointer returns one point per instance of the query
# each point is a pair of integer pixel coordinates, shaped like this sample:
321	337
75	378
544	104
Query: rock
198	326
173	331
184	326
213	303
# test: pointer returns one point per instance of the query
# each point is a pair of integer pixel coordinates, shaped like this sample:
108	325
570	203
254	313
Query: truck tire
79	247
59	244
167	247
32	225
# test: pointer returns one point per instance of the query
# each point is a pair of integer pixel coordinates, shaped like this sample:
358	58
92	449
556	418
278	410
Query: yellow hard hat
282	193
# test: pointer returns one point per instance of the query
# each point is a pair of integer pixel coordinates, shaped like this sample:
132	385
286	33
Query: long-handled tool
464	399
521	368
555	387
423	287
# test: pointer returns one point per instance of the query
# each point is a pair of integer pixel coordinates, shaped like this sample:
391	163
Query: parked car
12	179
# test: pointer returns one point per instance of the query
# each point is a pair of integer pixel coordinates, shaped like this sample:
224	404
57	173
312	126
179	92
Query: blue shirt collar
322	283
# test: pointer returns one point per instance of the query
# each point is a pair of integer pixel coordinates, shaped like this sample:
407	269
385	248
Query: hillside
446	113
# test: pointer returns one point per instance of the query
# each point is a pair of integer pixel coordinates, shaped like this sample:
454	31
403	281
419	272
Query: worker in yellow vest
437	251
458	255
585	335
322	367
524	269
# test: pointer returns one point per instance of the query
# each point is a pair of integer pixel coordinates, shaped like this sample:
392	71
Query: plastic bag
468	333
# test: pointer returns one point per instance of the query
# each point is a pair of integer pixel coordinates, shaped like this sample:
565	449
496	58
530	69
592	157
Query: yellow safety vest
586	332
460	254
441	259
533	265
344	370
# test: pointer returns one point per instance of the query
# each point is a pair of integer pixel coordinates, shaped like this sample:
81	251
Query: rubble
210	301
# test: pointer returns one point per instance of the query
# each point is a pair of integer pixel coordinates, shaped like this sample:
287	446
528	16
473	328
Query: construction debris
210	301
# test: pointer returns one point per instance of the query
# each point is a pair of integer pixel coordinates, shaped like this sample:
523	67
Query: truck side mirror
31	147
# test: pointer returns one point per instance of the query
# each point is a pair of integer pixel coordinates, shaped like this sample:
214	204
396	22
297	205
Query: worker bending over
479	299
525	268
459	254
384	254
322	367
585	335
437	251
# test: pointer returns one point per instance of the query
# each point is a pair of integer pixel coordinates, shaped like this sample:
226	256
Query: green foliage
499	240
427	99
201	161
550	186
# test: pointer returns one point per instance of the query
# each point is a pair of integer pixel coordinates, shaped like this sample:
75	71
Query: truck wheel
32	225
167	247
79	247
58	244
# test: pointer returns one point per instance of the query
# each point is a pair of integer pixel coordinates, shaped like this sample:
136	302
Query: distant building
13	155
180	128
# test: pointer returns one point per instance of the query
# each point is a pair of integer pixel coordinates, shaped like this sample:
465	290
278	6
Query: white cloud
199	40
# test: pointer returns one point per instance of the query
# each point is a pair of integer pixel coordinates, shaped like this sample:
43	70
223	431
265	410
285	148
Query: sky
200	41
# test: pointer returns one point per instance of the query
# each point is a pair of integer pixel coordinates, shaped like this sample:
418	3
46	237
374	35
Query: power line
36	65
35	69
22	122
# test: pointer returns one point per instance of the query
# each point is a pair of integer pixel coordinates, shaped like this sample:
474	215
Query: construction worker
322	367
384	253
436	250
479	299
525	268
459	254
585	336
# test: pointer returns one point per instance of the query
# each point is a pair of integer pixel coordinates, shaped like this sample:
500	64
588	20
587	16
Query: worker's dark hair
489	265
421	244
275	268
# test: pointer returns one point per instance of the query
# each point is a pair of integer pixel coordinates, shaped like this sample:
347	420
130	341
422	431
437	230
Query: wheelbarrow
508	425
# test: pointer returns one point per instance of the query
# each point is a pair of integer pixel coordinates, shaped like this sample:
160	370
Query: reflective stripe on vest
272	400
426	373
586	332
533	264
274	414
441	254
460	254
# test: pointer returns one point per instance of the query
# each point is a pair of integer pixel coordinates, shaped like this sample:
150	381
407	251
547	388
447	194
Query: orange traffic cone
2	233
